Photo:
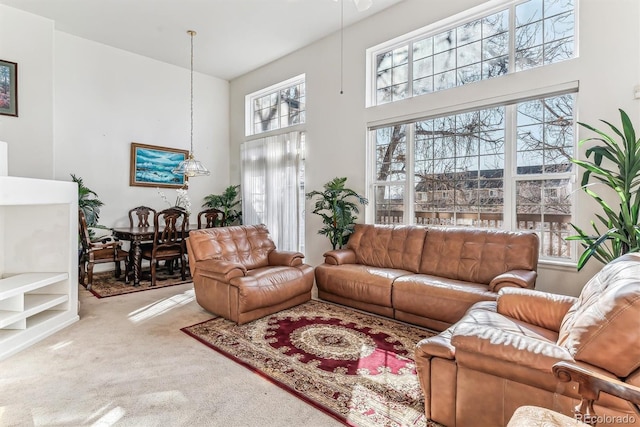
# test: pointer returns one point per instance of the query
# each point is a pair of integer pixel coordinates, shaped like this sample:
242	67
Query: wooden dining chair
142	214
170	227
98	253
210	218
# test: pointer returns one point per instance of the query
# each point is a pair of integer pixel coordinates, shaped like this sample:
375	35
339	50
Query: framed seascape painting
151	166
8	88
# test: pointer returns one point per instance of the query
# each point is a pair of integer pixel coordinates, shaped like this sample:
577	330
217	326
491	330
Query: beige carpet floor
126	363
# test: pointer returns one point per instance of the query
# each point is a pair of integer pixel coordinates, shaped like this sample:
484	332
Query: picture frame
8	88
151	166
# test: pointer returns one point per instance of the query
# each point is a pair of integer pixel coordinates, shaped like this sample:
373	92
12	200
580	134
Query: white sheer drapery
273	187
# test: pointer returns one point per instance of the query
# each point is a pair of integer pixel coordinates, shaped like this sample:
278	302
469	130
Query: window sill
558	265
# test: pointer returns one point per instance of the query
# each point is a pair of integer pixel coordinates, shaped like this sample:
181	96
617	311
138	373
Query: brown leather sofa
500	355
240	275
426	276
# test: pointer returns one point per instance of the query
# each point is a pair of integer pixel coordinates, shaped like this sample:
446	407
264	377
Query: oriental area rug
106	285
357	368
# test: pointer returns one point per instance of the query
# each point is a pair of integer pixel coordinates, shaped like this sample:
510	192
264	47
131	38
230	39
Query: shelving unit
38	259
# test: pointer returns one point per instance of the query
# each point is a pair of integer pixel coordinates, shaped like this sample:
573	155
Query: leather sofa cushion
267	286
437	298
603	327
388	246
477	255
248	245
363	283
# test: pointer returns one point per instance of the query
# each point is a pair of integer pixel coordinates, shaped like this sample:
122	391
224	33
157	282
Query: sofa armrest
437	345
286	258
538	308
340	256
224	268
514	278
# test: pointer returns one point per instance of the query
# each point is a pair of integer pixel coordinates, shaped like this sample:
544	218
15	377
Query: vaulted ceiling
233	36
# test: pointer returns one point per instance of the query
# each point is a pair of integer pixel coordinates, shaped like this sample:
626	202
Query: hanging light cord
341	46
192	33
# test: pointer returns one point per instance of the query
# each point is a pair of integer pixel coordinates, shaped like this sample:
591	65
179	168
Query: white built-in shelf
26	282
33	305
38	258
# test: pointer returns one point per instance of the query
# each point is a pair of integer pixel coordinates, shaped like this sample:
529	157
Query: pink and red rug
356	367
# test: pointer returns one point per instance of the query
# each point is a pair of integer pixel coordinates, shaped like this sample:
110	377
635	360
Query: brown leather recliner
500	355
238	273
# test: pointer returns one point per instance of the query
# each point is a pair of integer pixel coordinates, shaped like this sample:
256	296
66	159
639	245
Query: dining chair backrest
83	230
142	213
170	226
210	218
97	253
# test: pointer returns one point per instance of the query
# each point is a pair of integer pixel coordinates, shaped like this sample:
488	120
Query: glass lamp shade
191	167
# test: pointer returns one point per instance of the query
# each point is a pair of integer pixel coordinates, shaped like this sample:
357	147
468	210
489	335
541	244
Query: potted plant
621	175
336	210
228	203
88	202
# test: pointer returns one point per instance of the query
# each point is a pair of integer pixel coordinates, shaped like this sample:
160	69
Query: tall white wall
336	124
107	98
82	103
28	40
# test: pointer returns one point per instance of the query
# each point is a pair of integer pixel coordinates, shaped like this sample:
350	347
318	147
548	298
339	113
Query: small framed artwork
8	88
151	166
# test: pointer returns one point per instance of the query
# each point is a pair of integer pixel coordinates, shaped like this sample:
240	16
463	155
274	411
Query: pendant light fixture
191	166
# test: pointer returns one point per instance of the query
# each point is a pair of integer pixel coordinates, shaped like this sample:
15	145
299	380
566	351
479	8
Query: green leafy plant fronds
616	230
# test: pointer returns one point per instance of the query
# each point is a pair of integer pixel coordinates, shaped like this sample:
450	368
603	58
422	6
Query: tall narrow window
272	162
545	144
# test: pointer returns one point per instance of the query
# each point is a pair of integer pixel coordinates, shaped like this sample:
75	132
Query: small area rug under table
356	367
106	285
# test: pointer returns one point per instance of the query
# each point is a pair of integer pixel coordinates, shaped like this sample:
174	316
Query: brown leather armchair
500	355
240	275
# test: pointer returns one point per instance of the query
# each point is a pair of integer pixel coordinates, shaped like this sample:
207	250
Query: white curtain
273	187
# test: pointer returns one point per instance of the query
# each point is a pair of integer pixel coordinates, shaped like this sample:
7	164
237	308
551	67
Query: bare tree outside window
279	109
459	170
543	32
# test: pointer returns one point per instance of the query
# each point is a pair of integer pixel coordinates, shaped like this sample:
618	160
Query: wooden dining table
136	236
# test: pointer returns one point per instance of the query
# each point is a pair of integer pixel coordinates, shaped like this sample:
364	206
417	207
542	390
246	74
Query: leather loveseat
426	276
240	275
500	355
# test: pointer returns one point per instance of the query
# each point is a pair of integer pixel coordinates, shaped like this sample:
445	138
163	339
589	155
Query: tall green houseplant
337	210
619	231
88	202
228	202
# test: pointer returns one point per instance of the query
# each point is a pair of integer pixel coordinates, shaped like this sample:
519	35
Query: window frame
436	28
511	176
273	89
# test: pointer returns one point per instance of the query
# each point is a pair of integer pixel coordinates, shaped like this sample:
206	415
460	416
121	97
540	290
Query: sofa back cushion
477	254
388	246
248	245
603	326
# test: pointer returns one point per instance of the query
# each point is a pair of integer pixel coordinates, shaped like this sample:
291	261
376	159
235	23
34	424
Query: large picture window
479	168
